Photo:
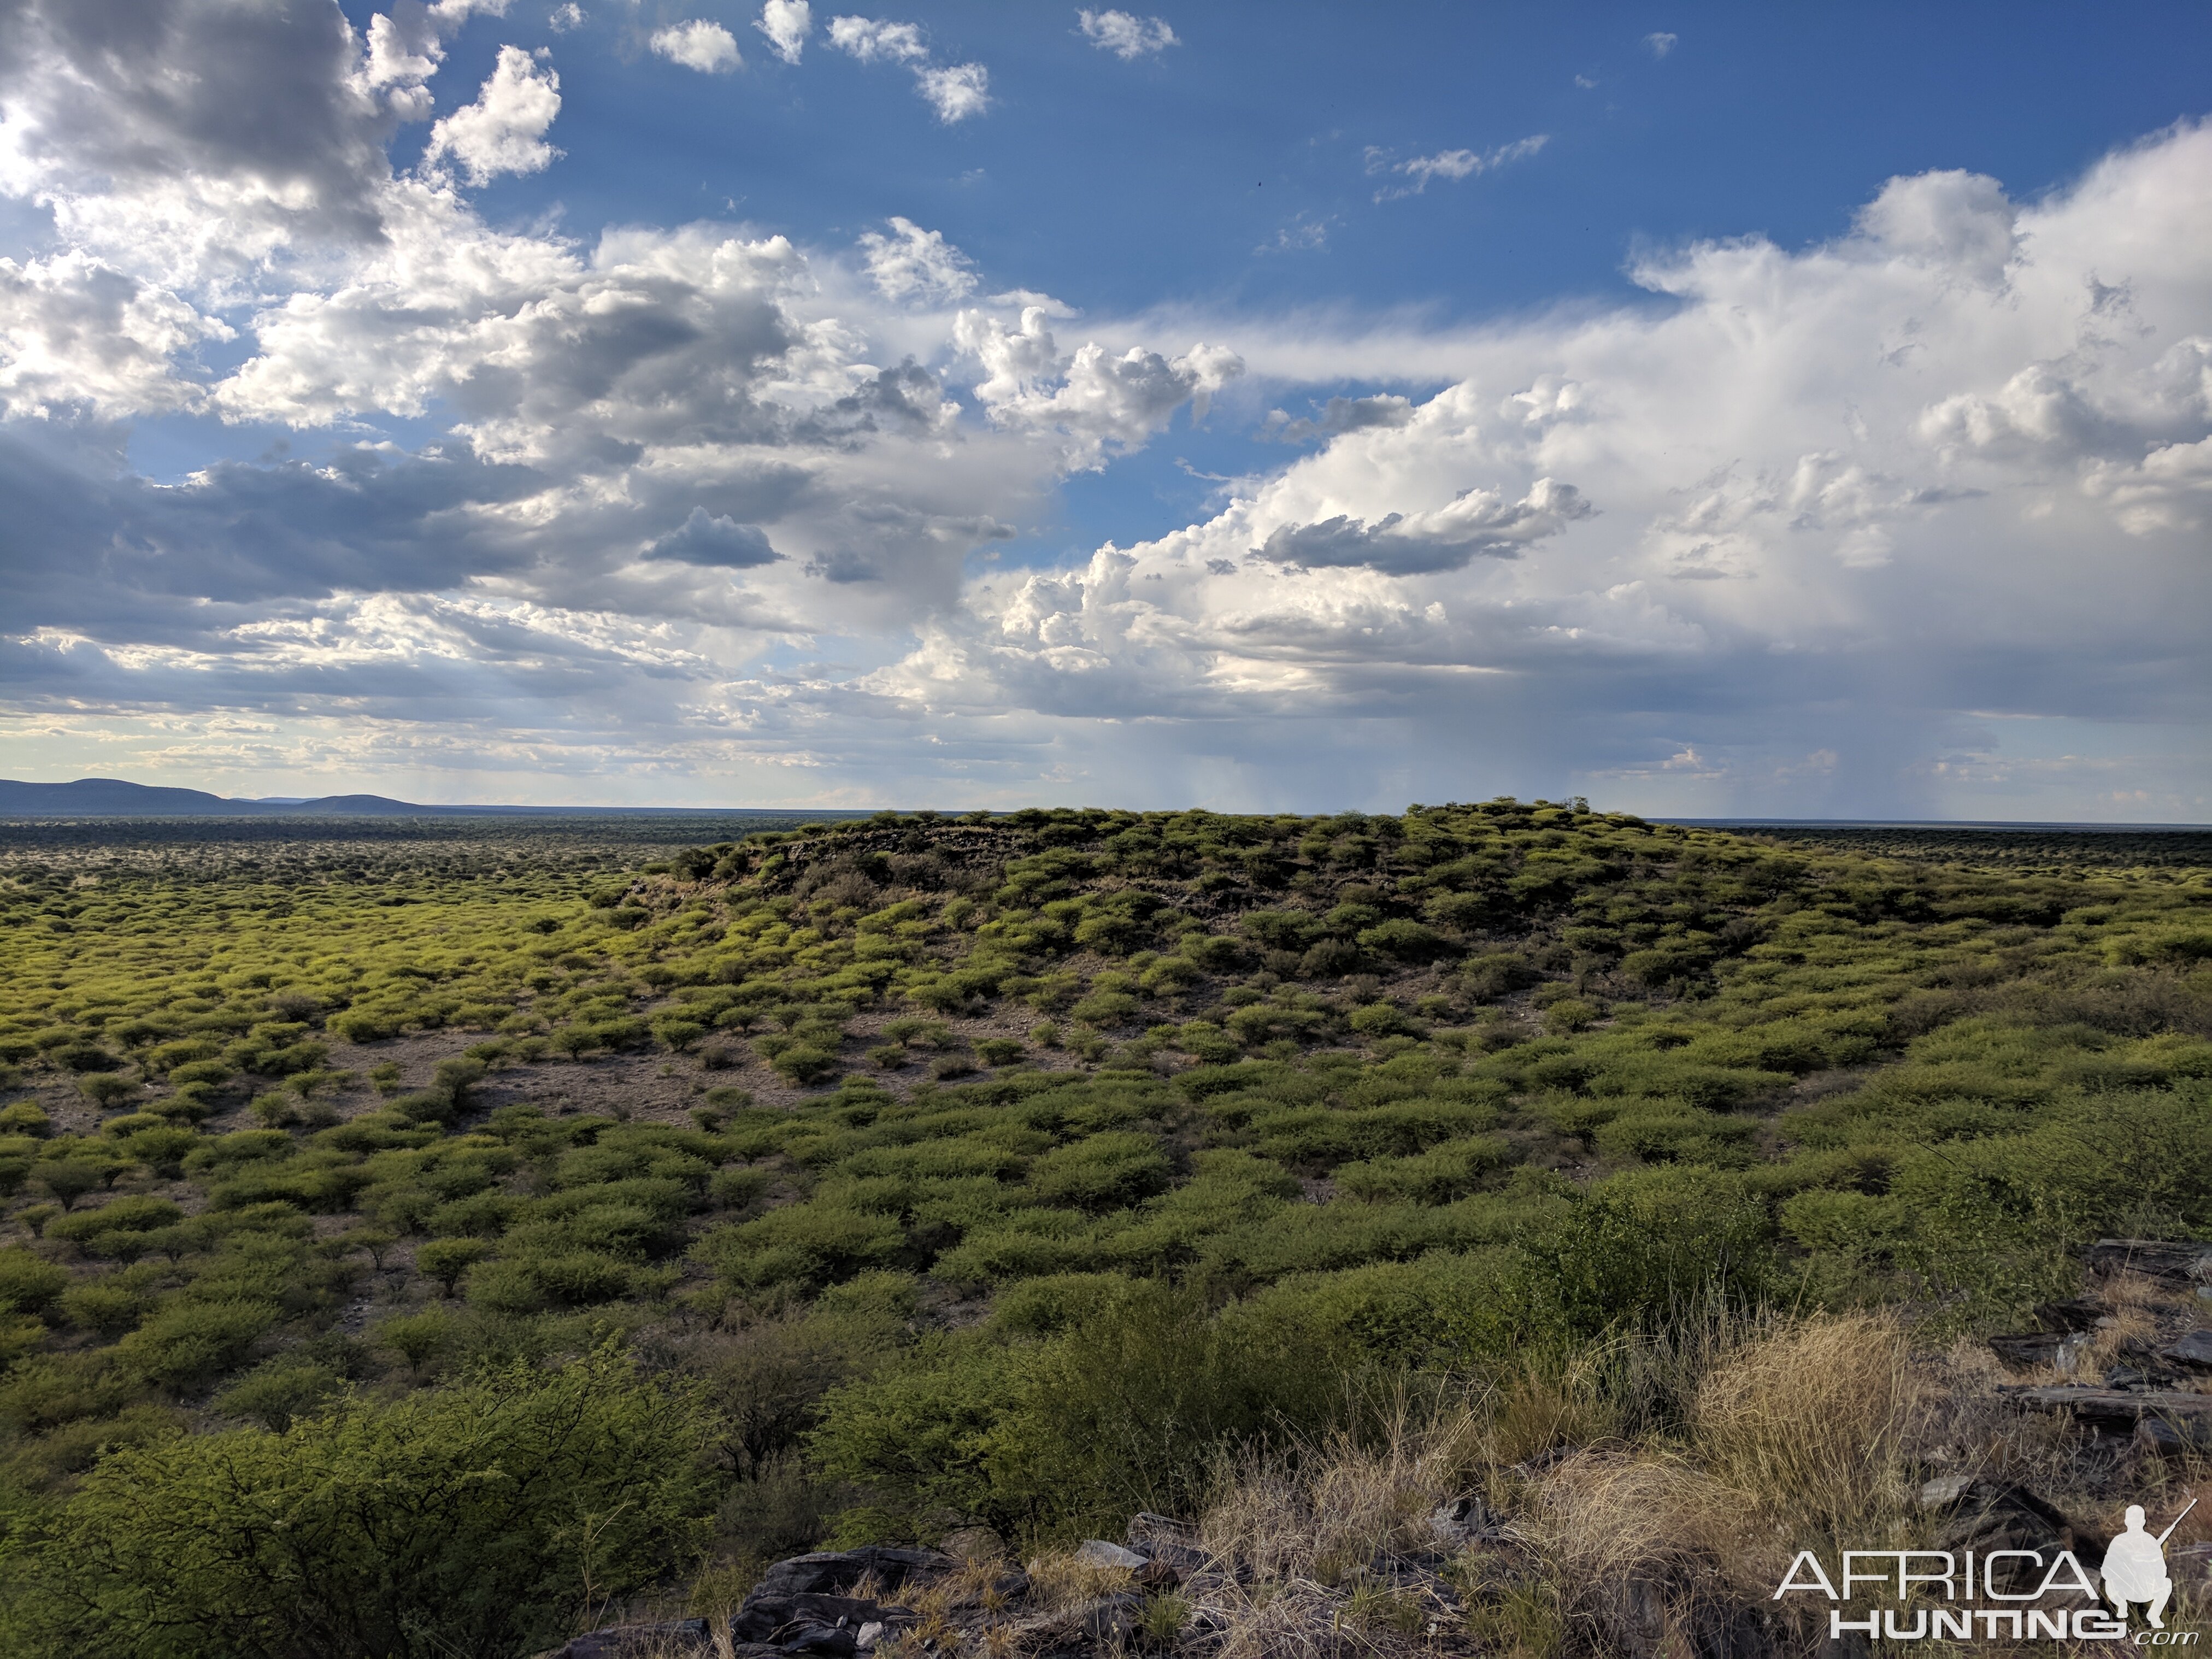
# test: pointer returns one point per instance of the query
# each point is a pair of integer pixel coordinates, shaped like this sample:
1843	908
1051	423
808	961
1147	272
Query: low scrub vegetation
910	1175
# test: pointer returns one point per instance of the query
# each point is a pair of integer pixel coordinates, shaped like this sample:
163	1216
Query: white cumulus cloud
787	23
699	45
1910	520
1125	34
914	264
955	91
504	131
1100	402
869	40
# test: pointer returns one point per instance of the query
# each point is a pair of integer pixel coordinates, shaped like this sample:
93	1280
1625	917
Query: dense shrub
471	1520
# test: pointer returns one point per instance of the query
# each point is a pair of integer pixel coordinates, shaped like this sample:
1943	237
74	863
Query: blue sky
1737	408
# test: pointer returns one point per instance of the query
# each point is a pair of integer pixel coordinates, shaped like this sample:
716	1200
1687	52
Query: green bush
189	1344
534	1281
806	1064
1496	973
104	1305
83	1057
25	1117
1644	1245
1103	1172
1405	941
448	1260
473	1520
276	1393
676	1033
804	1244
108	1229
28	1282
1439	1175
68	1179
106	1090
1379	1019
1122	1411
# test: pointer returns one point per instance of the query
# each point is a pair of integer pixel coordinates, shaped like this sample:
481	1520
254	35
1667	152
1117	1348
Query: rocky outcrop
2192	1350
1986	1515
2118	1411
2169	1261
836	1603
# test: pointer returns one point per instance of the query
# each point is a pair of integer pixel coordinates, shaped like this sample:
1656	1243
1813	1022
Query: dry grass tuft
1299	1618
1789	1436
1326	1513
1543	1406
1648	1554
1810	1424
1059	1581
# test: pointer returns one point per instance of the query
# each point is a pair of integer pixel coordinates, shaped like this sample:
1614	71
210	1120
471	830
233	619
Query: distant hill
113	798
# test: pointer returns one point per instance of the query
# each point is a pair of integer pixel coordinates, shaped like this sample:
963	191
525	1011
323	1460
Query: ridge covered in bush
927	1172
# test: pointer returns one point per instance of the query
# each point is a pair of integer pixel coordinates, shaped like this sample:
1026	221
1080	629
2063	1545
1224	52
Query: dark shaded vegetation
1076	1147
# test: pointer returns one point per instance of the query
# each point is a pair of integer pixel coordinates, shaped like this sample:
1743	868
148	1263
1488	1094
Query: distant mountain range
113	798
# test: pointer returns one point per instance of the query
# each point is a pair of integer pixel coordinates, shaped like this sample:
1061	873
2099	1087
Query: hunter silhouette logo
2135	1567
2045	1594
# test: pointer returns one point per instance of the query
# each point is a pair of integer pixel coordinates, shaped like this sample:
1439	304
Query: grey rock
1180	1560
1111	1619
2192	1349
1459	1521
1148	1532
829	1572
2081	1314
2028	1351
1945	1492
1097	1553
2116	1411
2171	1437
2172	1261
1990	1516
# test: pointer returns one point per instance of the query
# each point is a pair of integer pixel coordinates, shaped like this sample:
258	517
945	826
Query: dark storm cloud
1340	414
721	543
85	548
252	91
1478	525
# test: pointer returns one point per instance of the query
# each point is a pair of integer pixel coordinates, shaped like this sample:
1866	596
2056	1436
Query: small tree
446	1260
68	1179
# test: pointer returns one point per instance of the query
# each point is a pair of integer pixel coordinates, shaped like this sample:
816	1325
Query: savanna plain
1495	1228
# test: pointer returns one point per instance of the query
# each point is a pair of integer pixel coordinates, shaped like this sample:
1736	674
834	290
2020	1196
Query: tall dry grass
1658	1487
1325	1509
1647	1554
1810	1424
1793	1436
